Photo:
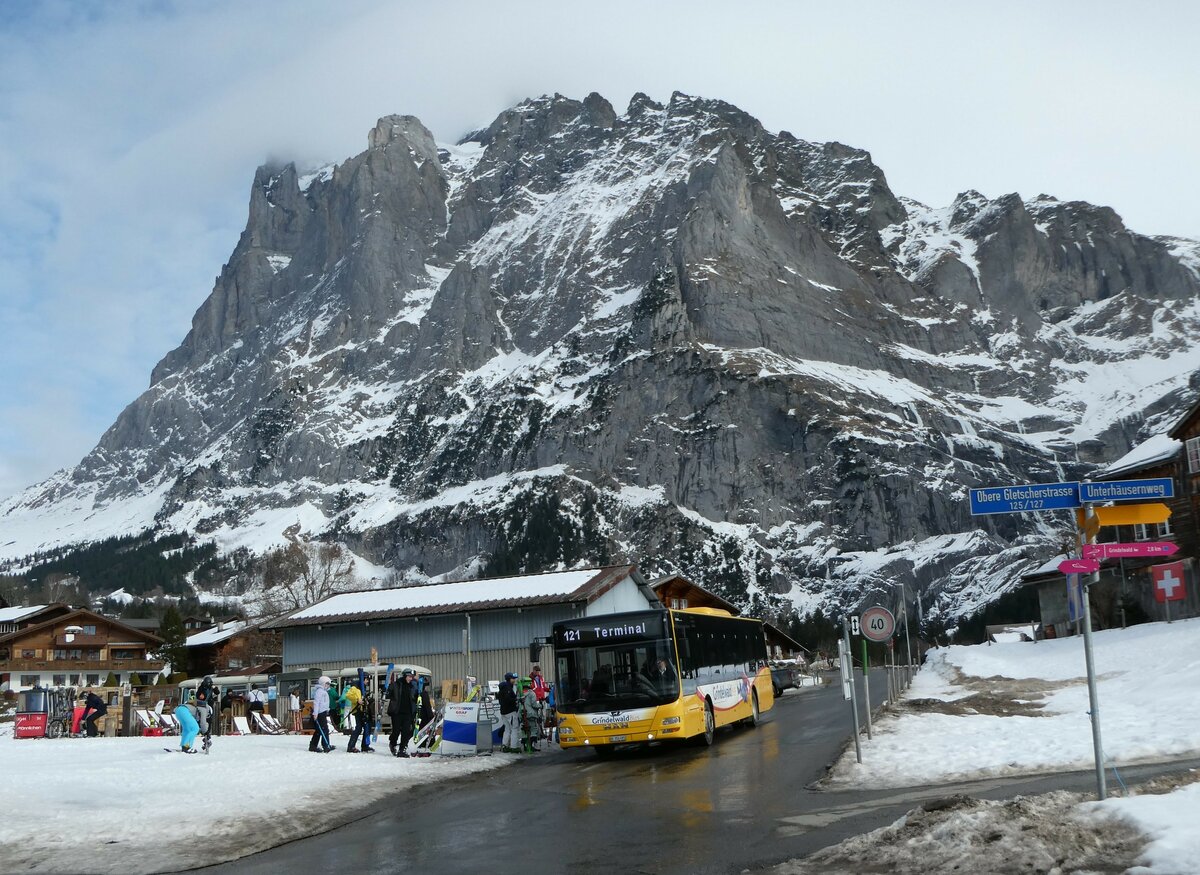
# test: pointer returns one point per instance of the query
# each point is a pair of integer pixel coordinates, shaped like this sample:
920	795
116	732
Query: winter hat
509	676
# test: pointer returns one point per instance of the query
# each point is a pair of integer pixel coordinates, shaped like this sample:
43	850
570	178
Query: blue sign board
1024	498
1074	598
1128	490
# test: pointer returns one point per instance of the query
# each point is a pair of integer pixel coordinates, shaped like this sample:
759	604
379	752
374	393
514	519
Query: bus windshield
606	665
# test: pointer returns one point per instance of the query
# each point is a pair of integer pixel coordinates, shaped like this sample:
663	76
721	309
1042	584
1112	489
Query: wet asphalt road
741	804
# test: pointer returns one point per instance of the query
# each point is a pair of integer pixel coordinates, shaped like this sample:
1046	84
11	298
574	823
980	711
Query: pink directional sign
1079	566
1118	551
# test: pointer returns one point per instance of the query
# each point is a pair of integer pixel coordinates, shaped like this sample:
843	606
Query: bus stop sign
878	624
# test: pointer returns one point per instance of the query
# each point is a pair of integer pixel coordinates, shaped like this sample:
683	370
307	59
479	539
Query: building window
1193	455
678	604
93	680
1141	532
65	653
93	653
1164	528
60	680
31	680
122	653
27	654
89	630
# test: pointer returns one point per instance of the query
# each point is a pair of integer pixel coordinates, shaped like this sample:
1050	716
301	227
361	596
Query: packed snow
1021	708
120	805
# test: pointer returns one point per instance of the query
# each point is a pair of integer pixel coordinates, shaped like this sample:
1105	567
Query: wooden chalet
76	648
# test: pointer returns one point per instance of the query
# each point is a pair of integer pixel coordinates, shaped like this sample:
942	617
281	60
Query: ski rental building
481	628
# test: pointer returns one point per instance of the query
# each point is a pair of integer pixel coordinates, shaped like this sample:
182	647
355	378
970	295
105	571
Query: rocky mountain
668	335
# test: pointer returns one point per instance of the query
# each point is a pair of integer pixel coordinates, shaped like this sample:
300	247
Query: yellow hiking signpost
1132	514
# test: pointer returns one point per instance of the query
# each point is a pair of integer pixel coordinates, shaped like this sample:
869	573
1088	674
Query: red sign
1079	566
1117	551
1168	582
30	725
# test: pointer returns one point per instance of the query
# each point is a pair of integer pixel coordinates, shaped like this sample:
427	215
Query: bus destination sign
595	631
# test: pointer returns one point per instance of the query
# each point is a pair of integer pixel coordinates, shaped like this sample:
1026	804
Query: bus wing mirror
535	652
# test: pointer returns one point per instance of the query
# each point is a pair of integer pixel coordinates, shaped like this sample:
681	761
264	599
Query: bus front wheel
710	725
755	715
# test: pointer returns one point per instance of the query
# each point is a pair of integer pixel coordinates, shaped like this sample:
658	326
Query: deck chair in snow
241	726
170	723
264	726
146	719
276	726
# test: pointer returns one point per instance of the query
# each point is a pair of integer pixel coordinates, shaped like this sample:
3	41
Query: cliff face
669	336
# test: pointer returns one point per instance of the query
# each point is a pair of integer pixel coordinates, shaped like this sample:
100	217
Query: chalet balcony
79	665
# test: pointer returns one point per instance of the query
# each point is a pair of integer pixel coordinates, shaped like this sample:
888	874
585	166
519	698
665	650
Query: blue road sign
1128	490
1074	598
1031	497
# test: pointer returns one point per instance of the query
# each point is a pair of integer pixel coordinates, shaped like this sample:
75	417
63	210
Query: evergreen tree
174	636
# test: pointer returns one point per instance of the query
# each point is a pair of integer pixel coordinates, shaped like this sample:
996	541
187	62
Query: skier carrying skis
320	737
354	703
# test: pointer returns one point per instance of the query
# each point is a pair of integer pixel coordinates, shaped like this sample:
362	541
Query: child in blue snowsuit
190	728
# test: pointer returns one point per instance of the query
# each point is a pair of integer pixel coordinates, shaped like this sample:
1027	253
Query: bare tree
302	573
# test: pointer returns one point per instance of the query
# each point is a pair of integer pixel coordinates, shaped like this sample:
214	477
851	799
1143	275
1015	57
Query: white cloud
129	136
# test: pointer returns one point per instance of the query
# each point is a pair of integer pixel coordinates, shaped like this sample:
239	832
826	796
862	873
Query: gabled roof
1148	454
1177	429
217	633
556	587
661	582
17	614
82	612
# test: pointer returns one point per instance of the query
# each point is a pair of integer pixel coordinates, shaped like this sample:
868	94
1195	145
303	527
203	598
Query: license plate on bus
618	739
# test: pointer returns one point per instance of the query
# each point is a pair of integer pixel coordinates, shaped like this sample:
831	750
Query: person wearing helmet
507	696
402	708
206	700
320	737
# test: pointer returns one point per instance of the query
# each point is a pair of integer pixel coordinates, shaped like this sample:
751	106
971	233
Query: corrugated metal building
428	624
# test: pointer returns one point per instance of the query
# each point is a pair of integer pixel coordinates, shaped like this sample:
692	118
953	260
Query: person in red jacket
539	683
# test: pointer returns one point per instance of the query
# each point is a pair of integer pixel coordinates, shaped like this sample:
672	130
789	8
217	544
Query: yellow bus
658	675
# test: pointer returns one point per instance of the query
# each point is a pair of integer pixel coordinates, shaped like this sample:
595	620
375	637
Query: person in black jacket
402	708
507	696
93	708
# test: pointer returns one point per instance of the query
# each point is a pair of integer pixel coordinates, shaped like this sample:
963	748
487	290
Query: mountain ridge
669	335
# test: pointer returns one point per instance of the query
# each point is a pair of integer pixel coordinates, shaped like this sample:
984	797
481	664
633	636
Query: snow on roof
12	615
1050	566
1159	448
217	633
539	587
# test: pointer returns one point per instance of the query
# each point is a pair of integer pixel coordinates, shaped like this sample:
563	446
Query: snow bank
122	805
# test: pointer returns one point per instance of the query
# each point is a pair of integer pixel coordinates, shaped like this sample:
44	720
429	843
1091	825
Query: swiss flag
1168	582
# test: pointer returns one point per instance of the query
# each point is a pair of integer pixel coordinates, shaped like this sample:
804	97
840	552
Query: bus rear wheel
755	715
710	725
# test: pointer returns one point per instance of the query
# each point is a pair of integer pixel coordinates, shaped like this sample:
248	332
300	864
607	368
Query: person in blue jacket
189	727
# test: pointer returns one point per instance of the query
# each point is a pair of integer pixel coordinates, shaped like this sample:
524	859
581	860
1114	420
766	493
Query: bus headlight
667	721
566	732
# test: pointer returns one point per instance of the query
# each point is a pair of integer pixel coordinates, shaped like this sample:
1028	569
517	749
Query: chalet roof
778	634
217	634
83	613
1050	566
1178	429
1154	451
557	587
15	615
661	582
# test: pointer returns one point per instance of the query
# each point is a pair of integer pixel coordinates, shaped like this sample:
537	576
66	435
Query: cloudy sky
129	133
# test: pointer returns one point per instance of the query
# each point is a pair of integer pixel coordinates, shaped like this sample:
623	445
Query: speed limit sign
878	624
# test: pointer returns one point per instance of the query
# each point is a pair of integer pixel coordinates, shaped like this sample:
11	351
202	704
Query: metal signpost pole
908	671
1093	696
867	688
848	681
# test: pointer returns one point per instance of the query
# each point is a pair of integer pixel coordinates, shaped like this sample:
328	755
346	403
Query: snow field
1149	711
126	805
